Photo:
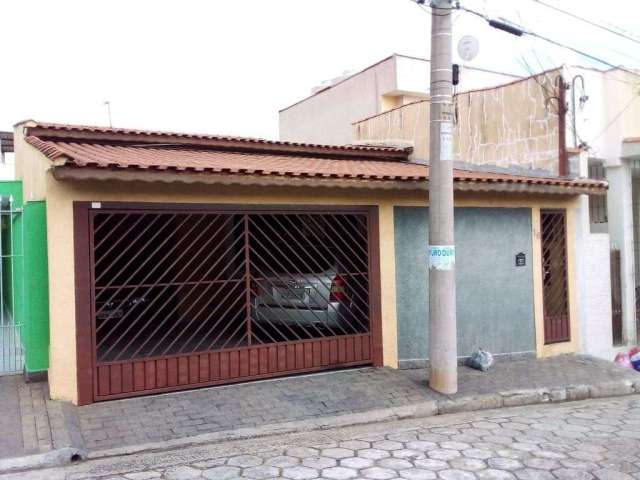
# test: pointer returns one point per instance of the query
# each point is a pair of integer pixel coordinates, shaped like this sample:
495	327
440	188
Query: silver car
313	300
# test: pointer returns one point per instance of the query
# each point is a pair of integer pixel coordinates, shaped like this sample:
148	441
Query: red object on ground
623	360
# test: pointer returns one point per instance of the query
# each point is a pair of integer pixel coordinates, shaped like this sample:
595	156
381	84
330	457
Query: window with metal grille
597	203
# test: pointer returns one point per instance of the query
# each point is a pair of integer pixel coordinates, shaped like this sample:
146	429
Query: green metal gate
24	290
12	285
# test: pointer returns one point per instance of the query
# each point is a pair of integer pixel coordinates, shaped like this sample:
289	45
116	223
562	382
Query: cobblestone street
594	439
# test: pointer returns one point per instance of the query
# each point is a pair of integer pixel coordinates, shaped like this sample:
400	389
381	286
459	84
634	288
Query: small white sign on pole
442	257
446	141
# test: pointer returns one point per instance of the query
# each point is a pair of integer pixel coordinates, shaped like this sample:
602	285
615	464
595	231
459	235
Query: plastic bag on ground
480	360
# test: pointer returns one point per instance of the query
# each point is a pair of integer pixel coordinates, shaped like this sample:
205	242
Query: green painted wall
25	278
36	338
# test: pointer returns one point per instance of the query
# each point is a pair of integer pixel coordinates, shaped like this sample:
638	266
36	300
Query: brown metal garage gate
177	297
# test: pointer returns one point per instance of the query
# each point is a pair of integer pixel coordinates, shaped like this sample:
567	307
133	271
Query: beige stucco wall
60	198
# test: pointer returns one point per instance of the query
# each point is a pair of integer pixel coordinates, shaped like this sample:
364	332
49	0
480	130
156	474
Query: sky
228	66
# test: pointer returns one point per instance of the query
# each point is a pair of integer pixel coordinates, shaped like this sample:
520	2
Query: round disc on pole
468	47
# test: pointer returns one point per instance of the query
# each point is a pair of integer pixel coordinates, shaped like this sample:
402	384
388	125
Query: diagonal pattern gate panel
555	289
183	298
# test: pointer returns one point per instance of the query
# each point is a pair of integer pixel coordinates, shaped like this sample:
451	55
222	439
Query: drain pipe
562	127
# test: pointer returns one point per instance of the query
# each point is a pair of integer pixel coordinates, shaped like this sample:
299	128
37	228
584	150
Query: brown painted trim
236	349
375	293
240	209
82	280
546	320
230	381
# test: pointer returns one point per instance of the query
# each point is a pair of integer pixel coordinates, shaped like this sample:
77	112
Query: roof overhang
66	173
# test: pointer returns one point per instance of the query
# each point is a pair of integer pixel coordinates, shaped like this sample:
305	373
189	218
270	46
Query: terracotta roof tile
109	153
83	132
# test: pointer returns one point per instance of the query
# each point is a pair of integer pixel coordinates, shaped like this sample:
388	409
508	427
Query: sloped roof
112	149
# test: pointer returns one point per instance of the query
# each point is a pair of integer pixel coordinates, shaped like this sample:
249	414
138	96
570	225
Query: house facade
604	122
179	261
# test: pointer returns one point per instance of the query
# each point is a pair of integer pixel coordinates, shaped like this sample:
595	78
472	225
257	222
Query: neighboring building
521	127
326	116
606	126
178	261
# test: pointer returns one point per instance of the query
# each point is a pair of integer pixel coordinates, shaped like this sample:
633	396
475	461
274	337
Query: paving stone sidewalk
186	414
24	418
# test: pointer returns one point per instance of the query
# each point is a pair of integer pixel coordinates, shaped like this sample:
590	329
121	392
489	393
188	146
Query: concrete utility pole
443	361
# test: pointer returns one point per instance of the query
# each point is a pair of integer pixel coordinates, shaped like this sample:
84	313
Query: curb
53	458
511	398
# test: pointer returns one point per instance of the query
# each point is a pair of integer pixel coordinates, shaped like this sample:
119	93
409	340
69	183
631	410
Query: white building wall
594	287
593	293
620	213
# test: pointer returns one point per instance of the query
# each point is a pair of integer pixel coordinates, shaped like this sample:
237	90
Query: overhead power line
589	22
520	31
